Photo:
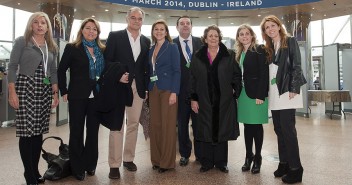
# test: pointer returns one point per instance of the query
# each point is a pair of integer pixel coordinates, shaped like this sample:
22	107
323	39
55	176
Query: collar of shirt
135	44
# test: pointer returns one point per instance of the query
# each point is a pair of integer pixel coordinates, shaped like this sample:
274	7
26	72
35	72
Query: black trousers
183	115
284	126
30	149
83	155
213	154
253	132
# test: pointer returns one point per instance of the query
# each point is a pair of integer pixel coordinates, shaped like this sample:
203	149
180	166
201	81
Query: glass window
6	31
5	50
21	19
345	35
315	27
332	28
105	28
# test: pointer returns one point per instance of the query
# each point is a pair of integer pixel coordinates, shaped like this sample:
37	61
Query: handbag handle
54	137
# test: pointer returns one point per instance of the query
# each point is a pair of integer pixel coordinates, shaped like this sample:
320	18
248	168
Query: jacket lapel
126	40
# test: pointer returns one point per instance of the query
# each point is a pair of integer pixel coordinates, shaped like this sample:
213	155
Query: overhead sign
209	4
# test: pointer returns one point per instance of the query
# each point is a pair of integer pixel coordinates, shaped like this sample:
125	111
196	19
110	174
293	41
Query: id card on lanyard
46	79
154	77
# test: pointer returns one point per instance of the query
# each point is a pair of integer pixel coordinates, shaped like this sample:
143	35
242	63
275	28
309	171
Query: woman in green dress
252	103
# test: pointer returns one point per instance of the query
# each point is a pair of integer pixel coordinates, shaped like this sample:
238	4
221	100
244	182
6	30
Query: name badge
273	81
188	64
46	81
154	78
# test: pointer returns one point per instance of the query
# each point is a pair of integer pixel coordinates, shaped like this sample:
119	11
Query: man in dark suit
187	45
128	47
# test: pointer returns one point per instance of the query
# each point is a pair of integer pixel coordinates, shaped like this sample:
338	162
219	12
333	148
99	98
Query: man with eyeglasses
128	47
188	44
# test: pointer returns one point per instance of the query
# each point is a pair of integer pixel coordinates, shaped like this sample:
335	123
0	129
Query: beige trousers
117	146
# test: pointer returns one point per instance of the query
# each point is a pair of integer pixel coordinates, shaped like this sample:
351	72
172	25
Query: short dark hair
211	27
184	16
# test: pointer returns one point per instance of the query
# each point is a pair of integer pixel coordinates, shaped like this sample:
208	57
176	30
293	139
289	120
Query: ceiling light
324	15
18	3
93	15
259	15
209	17
313	8
106	10
232	23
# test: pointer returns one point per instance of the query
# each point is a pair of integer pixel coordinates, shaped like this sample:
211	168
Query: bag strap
53	137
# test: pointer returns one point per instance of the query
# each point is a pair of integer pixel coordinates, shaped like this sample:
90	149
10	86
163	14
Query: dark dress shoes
282	170
40	180
91	172
224	169
130	166
204	169
184	161
247	163
293	176
80	177
114	173
256	164
155	167
162	170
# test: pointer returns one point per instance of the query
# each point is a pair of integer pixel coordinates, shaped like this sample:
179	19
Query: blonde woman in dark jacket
286	79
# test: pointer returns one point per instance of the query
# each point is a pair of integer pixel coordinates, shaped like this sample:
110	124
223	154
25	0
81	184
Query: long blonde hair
268	40
239	46
28	33
79	38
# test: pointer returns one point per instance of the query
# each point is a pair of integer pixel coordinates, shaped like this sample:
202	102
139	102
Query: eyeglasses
139	19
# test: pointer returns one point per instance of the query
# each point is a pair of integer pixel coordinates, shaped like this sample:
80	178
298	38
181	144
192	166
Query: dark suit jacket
118	49
256	74
185	72
80	85
113	96
167	68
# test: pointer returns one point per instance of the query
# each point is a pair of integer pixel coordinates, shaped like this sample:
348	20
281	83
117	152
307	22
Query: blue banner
209	4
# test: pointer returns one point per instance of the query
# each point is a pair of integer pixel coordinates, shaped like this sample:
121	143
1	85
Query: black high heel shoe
293	176
282	170
256	164
247	163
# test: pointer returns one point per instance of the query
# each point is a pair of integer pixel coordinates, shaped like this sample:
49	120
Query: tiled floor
325	147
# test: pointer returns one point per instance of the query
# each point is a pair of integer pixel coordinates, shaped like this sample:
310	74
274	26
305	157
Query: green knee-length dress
248	111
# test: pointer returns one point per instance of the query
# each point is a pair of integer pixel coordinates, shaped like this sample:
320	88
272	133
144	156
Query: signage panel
202	5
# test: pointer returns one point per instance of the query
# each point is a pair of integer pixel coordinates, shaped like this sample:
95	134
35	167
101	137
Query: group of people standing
184	78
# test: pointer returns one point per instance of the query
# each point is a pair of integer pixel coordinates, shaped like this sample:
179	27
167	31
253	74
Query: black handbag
58	165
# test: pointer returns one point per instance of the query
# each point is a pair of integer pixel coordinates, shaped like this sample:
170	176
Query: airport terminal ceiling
110	12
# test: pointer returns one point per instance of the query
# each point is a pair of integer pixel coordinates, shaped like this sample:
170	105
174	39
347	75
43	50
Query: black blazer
80	85
256	74
113	96
185	72
118	49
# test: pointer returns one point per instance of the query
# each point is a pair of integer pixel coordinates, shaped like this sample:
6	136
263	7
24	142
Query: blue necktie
188	50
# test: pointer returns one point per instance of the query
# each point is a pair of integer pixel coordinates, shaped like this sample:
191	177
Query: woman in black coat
215	86
286	79
85	60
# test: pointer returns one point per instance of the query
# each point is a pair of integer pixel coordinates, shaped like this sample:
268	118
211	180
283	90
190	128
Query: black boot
282	170
256	164
247	163
293	176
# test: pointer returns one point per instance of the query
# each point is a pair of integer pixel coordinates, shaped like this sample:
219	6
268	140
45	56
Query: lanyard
45	61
